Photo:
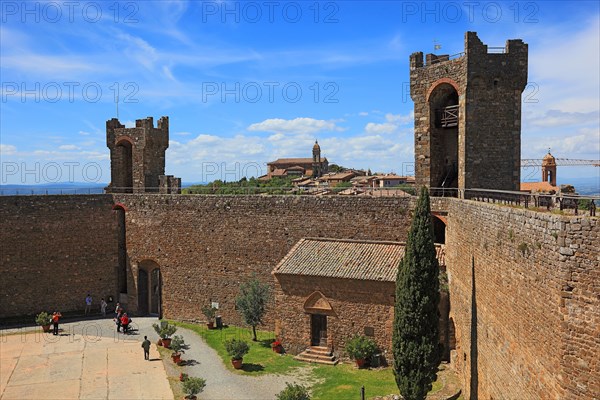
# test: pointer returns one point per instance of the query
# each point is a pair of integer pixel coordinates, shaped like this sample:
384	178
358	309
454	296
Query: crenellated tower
467	111
137	155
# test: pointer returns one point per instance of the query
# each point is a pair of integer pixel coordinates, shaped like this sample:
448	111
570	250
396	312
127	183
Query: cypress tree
415	339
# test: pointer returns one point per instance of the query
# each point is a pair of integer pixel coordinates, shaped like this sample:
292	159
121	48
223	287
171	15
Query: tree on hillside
252	302
415	339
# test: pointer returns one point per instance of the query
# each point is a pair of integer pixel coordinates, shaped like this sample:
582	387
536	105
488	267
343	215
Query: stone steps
318	355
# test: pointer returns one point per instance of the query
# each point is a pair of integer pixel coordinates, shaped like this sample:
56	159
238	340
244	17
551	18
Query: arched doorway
119	210
123	166
439	230
143	292
444	122
149	288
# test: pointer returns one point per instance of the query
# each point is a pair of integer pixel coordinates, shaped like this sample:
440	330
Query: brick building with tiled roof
330	289
311	167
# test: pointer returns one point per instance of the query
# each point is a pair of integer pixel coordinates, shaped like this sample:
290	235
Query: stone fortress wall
525	300
536	286
54	250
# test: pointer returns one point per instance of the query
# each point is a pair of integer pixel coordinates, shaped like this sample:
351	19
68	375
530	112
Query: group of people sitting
122	319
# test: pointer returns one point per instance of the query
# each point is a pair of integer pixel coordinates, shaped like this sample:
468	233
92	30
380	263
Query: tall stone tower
549	169
137	155
468	116
316	163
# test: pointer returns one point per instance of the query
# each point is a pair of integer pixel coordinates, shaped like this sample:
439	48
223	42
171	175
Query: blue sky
244	83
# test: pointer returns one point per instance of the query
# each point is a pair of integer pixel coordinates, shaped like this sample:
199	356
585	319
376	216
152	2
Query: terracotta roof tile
348	259
538	187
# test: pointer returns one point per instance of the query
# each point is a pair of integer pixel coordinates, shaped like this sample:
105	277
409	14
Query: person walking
88	304
55	317
118	320
146	347
103	306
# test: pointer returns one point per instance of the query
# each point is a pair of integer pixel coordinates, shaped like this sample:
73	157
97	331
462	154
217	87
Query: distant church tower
549	169
316	164
137	155
467	114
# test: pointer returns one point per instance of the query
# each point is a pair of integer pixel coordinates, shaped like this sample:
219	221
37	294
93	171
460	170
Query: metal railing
49	191
496	50
567	203
562	202
445	58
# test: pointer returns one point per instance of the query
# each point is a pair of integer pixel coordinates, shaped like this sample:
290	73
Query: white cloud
138	49
297	126
565	67
7	149
394	121
168	73
373	128
584	143
68	147
557	118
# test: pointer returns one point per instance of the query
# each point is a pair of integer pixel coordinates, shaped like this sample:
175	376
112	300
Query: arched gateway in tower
137	157
468	116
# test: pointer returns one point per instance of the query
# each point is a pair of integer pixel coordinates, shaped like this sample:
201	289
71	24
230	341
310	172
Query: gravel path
224	384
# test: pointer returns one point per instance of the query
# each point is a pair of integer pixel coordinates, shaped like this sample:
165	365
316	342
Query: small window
369	331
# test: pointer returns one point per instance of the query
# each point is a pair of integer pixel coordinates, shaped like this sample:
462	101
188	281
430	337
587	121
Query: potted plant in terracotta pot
183	376
44	320
360	348
209	313
277	347
177	344
165	331
193	386
236	349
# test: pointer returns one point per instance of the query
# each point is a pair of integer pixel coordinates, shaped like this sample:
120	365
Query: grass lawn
345	380
259	360
327	382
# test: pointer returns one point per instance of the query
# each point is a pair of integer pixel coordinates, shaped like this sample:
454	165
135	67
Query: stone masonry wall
525	300
54	250
207	245
536	286
356	305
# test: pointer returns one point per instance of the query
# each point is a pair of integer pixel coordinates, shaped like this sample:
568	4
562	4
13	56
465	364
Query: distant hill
53	188
60	188
583	186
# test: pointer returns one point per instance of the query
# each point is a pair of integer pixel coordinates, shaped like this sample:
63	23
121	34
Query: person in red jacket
125	323
55	317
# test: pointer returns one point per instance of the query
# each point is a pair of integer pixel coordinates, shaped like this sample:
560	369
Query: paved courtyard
89	360
86	361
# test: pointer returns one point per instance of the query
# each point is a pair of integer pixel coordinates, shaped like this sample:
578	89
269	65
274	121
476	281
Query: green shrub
293	391
236	349
209	313
360	347
164	330
193	386
43	318
177	344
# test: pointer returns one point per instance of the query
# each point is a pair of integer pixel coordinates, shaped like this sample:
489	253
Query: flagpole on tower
117	103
